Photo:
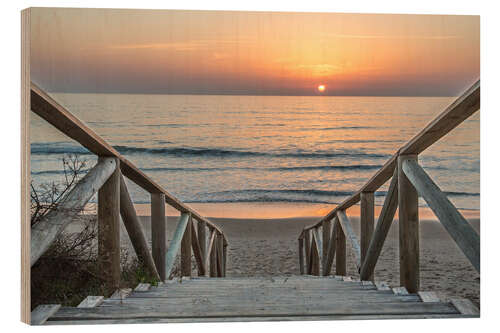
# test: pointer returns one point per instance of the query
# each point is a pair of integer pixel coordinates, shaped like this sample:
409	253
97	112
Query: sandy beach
267	247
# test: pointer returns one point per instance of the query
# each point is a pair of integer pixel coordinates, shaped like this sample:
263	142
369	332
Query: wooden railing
106	178
318	249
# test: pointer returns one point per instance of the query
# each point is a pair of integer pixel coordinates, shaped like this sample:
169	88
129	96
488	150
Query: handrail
461	109
408	181
55	114
115	200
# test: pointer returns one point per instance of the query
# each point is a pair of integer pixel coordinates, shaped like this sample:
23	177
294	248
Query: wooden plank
43	312
428	296
197	251
409	249
400	291
367	222
44	232
457	226
55	114
202	240
314	270
25	165
319	242
251	309
220	245
121	293
213	254
331	249
91	301
141	287
224	260
159	233
327	231
108	229
340	243
382	229
461	109
301	255
307	238
210	248
186	249
175	243
465	306
135	232
347	228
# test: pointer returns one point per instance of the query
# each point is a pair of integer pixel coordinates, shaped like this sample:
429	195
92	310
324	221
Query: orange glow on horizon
321	88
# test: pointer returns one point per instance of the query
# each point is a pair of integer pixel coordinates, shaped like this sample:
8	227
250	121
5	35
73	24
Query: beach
269	246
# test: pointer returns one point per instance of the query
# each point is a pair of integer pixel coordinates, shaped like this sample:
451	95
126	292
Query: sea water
214	149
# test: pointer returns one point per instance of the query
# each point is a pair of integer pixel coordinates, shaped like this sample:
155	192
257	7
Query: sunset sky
261	53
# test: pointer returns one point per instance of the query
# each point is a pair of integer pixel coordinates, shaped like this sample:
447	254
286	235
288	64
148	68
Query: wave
56	148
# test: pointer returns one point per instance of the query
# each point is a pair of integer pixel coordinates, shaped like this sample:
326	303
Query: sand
264	247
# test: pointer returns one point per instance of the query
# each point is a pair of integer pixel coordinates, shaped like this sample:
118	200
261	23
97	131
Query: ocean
255	149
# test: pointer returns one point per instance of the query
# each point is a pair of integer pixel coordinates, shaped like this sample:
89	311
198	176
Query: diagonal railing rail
114	201
409	181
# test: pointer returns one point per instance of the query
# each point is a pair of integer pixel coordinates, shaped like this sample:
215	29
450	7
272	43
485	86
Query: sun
321	88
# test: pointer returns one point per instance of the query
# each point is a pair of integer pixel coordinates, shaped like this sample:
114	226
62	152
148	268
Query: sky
252	53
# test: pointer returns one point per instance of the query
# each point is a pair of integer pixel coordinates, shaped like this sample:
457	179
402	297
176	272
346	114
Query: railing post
340	251
220	246
158	233
301	255
224	259
408	229
108	216
326	244
314	256
367	222
213	257
186	250
308	250
202	240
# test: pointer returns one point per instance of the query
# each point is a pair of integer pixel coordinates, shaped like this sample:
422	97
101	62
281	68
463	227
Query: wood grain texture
202	240
349	233
175	244
135	232
200	262
326	229
186	249
44	232
25	165
159	233
465	306
382	229
367	223
301	255
91	301
428	296
108	229
409	248
330	254
43	312
457	226
340	243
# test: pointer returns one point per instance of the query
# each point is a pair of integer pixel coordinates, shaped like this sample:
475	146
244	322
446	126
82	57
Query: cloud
403	37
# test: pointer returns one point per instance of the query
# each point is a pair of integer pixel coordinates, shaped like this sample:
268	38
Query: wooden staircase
255	299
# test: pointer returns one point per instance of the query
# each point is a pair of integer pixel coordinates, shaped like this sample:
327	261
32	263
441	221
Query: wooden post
175	243
408	229
314	256
224	260
331	249
308	250
186	250
326	243
367	221
202	240
340	242
158	233
108	216
220	249
301	255
135	232
213	254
